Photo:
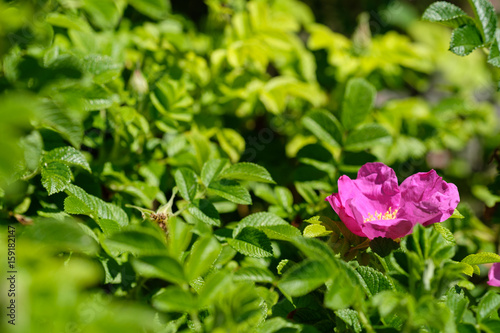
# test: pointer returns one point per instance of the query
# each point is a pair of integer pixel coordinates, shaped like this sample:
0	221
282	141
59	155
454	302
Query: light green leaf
252	242
174	299
105	14
102	67
485	13
255	274
494	56
161	267
273	226
231	191
203	254
61	121
231	142
465	39
185	179
201	147
156	9
56	177
483	193
358	102
447	14
481	258
33	146
137	242
324	126
247	171
179	237
445	232
205	211
304	278
367	136
489	304
314	249
212	169
316	230
456	215
351	318
215	285
67	155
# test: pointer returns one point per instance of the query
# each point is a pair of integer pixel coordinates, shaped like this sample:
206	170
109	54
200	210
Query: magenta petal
345	214
427	198
494	275
378	182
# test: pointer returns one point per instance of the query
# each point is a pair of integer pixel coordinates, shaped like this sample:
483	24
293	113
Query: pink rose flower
373	205
494	275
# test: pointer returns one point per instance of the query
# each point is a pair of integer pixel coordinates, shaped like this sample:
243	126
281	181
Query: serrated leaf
56	177
494	56
247	171
252	242
231	191
447	14
138	242
324	126
316	230
161	267
489	303
102	67
481	258
185	179
465	39
174	299
211	170
367	136
485	13
215	285
61	121
284	197
375	281
457	302
304	278
456	215
205	211
445	232
272	225
358	102
102	209
204	253
67	155
351	318
255	274
314	249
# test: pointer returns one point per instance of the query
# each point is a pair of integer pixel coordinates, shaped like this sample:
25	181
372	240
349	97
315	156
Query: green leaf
68	155
99	208
215	286
367	136
252	242
161	267
383	246
33	146
465	39
485	13
61	121
284	197
273	226
447	14
205	211
316	230
138	242
457	302
105	14
456	215
304	278
494	56
204	253
324	126
102	67
185	179
445	232
211	170
489	304
231	191
341	293
231	142
351	318
65	235
314	249
481	258
56	177
358	102
174	299
483	193
374	280
155	9
201	147
255	274
179	237
247	171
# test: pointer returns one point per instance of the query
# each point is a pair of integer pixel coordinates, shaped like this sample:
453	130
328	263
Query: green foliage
169	175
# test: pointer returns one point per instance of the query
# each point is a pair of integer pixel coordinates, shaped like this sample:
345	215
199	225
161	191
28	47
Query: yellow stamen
389	215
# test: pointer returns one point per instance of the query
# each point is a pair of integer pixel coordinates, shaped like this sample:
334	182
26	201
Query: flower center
389	215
